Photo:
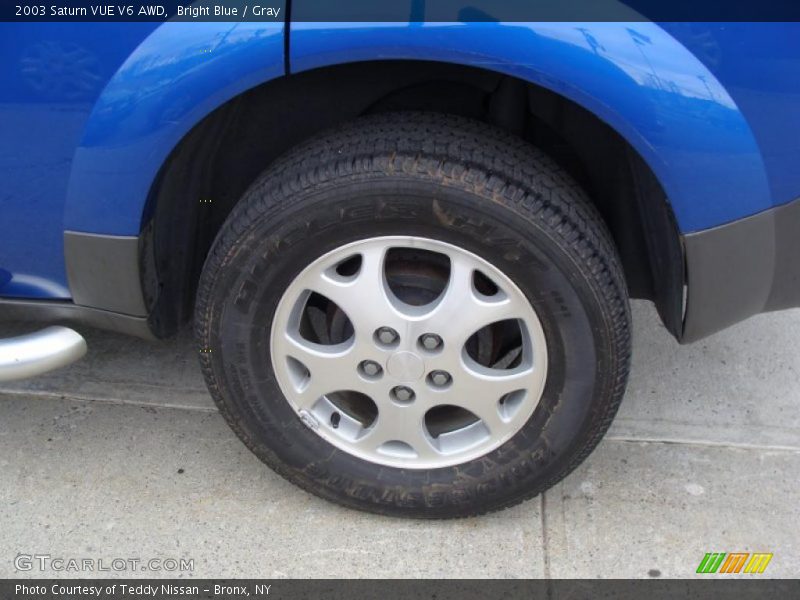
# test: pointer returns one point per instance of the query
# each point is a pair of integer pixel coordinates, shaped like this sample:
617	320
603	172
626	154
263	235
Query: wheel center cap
405	366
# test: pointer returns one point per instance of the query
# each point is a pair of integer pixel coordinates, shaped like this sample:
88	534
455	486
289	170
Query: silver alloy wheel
430	400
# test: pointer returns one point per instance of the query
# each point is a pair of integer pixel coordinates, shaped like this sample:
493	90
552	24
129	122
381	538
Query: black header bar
403	11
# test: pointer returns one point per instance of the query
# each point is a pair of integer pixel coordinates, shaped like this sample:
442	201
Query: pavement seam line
710	444
545	542
112	401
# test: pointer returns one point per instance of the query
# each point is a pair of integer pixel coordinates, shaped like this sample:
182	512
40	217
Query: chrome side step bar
39	352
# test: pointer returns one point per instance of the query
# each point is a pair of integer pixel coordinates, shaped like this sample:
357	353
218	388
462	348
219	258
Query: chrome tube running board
36	353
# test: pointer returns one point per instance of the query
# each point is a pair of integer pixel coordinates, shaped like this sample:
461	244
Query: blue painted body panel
83	157
177	76
51	76
89	112
759	65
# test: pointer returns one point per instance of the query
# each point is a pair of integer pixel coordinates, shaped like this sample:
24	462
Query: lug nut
386	335
370	368
430	341
403	393
440	378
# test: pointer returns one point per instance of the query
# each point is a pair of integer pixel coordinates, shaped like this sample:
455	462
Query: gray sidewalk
124	455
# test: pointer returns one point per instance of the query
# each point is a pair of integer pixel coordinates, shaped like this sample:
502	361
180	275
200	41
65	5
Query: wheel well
215	163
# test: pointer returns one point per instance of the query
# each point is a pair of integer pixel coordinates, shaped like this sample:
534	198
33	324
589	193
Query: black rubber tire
446	178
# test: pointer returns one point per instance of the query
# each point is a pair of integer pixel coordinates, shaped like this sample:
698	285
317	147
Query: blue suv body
91	114
124	148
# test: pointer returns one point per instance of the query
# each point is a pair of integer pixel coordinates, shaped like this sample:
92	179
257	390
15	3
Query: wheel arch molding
178	75
670	120
633	76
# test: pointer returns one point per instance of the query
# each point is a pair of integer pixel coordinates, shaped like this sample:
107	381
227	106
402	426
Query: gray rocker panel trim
103	272
740	269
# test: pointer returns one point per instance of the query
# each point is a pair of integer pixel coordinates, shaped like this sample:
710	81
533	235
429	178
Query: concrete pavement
124	455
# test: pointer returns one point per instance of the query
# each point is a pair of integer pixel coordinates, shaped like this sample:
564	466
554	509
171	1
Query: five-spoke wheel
409	352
